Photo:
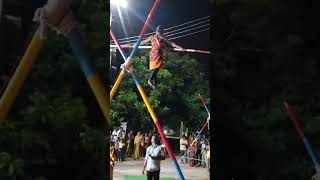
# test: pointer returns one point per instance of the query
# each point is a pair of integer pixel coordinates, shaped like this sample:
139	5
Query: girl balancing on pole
158	44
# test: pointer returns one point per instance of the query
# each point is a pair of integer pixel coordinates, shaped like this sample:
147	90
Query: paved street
133	168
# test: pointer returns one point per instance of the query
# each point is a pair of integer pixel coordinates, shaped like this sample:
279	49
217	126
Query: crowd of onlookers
130	145
193	149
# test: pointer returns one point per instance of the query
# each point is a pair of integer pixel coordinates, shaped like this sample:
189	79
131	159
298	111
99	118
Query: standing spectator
122	149
183	148
204	153
192	154
208	157
121	133
154	155
113	158
142	146
113	135
191	138
116	146
130	144
147	140
198	154
137	141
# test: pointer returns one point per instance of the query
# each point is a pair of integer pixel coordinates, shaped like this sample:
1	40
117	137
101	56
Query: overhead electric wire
189	34
187	23
173	34
187	27
187	30
168	34
135	37
186	35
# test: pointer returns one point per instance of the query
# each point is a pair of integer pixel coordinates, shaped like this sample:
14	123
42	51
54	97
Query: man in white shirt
183	148
154	155
114	135
121	134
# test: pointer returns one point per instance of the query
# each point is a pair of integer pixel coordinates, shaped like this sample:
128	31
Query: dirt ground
134	168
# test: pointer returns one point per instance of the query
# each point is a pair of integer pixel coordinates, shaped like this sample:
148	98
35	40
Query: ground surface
134	167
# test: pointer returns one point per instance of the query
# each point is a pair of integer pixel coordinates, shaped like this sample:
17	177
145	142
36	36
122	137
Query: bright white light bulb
122	3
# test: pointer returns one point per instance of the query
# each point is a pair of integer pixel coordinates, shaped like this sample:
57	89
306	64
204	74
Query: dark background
266	52
55	129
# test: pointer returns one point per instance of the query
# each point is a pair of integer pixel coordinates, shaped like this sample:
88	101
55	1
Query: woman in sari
130	144
192	154
136	147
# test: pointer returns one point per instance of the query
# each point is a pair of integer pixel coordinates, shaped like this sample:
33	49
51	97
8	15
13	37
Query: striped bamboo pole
21	73
93	79
175	49
292	116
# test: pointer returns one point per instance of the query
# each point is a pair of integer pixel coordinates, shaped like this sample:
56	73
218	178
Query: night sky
169	13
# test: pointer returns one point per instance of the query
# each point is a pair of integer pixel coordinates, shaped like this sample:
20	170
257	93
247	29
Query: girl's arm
172	44
145	41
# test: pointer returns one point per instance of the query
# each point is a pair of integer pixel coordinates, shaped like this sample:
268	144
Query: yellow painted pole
96	85
99	91
147	103
19	76
116	84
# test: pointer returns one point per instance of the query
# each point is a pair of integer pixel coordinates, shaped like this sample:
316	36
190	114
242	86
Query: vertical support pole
20	75
93	79
154	117
300	132
204	104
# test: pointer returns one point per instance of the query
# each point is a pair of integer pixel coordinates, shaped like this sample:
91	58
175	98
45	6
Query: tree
175	99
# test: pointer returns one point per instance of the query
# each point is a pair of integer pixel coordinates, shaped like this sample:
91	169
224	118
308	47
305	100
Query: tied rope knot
40	16
55	15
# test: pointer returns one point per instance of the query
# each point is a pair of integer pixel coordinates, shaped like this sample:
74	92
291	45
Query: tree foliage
174	100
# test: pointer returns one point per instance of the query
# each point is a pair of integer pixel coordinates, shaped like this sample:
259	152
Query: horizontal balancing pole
175	49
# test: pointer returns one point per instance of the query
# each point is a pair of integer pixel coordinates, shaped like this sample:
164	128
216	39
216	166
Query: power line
188	30
187	27
187	23
168	34
185	35
189	34
172	28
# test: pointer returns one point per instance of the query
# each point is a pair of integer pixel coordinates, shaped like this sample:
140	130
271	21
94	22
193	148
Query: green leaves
10	167
174	99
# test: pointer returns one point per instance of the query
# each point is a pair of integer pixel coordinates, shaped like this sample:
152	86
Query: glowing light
122	3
